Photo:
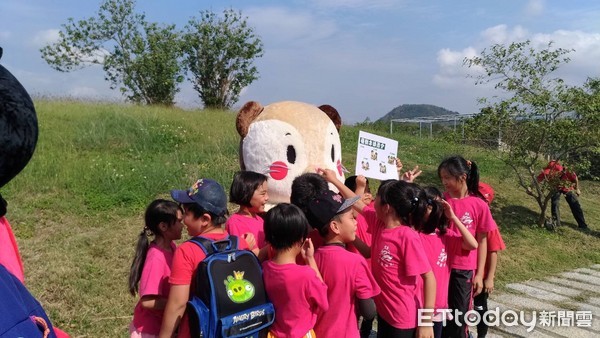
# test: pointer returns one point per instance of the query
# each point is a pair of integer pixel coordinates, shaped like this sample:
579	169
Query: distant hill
408	111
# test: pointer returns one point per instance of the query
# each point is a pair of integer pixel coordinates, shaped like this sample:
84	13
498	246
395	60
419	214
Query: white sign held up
376	156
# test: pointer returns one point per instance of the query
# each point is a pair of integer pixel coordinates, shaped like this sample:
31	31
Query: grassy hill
77	207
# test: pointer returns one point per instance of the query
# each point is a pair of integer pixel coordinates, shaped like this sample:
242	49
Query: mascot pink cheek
278	170
339	168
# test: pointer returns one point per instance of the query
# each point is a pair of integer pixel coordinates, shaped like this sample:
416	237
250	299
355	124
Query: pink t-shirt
297	295
347	277
239	225
397	259
438	249
475	214
361	232
494	243
186	259
9	251
154	281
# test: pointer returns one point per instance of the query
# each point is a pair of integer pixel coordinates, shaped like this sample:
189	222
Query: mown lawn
76	208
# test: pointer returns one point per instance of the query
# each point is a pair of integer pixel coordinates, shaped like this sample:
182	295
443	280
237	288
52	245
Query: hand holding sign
376	156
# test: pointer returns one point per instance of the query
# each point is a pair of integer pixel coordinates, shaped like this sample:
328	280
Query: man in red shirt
567	183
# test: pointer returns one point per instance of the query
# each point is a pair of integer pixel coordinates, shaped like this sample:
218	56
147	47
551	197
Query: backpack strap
210	247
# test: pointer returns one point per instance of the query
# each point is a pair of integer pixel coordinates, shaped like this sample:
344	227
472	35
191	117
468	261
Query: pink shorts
134	333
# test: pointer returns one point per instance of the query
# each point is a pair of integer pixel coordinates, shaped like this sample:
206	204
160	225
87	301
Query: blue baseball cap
207	193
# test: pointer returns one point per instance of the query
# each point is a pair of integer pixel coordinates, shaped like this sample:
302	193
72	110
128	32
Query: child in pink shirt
461	182
9	251
495	243
346	274
297	292
249	191
204	214
304	188
440	244
151	266
367	198
398	260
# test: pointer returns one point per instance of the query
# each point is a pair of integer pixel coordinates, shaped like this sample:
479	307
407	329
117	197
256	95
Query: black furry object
18	126
3	205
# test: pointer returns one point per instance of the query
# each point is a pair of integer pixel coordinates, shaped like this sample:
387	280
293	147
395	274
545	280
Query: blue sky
363	57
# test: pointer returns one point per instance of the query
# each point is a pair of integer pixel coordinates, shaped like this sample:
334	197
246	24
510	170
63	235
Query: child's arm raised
468	241
361	185
408	176
331	177
308	253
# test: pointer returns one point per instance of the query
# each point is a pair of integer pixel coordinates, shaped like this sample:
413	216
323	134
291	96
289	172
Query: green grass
77	207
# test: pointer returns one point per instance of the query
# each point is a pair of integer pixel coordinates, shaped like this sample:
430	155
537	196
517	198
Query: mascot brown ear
247	114
333	115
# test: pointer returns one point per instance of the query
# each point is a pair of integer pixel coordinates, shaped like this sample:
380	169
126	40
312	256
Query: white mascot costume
286	139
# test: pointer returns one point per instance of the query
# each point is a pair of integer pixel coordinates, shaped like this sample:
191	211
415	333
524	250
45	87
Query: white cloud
534	7
452	73
45	37
355	4
500	34
278	25
451	70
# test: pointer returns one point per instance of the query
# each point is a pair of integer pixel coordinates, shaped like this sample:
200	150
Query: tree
219	53
139	57
537	116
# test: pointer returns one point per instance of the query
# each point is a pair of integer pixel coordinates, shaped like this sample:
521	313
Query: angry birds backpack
228	295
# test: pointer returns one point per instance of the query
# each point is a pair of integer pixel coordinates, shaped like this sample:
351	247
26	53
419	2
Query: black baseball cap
323	208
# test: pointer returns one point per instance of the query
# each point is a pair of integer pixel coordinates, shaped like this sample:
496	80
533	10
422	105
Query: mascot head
18	129
286	139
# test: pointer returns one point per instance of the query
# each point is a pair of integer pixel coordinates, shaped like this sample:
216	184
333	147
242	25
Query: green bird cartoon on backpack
239	289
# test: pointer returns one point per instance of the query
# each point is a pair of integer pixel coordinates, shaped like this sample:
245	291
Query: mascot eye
291	154
332	153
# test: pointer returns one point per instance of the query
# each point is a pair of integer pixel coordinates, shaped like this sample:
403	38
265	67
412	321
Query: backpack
228	298
21	315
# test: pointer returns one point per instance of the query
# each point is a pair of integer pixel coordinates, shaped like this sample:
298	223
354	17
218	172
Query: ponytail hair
437	218
157	212
408	201
456	166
